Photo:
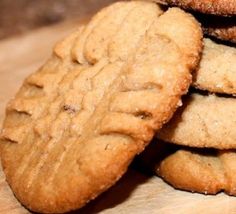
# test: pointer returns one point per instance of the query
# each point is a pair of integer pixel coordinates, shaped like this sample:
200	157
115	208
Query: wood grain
135	192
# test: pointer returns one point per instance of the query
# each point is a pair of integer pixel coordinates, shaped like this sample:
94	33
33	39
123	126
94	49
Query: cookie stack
77	123
206	120
204	127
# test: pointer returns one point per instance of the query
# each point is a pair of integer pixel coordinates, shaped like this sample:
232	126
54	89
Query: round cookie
216	72
76	124
217	7
203	121
200	170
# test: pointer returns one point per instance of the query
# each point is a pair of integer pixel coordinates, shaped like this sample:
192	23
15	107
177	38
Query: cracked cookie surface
216	72
79	121
203	121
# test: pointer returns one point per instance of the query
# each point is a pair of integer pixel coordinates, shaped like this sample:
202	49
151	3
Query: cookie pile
206	120
204	127
218	17
76	124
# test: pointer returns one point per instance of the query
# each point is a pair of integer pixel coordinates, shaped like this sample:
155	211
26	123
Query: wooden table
135	193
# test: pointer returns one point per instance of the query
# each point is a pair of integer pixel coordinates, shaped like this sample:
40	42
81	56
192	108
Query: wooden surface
31	14
135	193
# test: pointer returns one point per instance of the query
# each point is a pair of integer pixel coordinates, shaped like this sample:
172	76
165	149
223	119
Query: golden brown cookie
223	28
203	121
198	170
226	33
216	72
217	7
76	124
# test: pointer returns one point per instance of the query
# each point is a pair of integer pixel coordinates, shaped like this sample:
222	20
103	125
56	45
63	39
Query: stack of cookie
206	120
204	127
77	123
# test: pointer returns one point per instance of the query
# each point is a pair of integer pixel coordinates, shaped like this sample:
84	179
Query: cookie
226	33
200	170
203	121
223	28
216	72
217	7
76	124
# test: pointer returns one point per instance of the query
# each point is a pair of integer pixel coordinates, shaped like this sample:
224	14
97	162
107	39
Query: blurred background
20	16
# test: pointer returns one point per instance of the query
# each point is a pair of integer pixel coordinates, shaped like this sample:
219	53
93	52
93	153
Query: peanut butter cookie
76	124
216	72
223	28
203	121
199	170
